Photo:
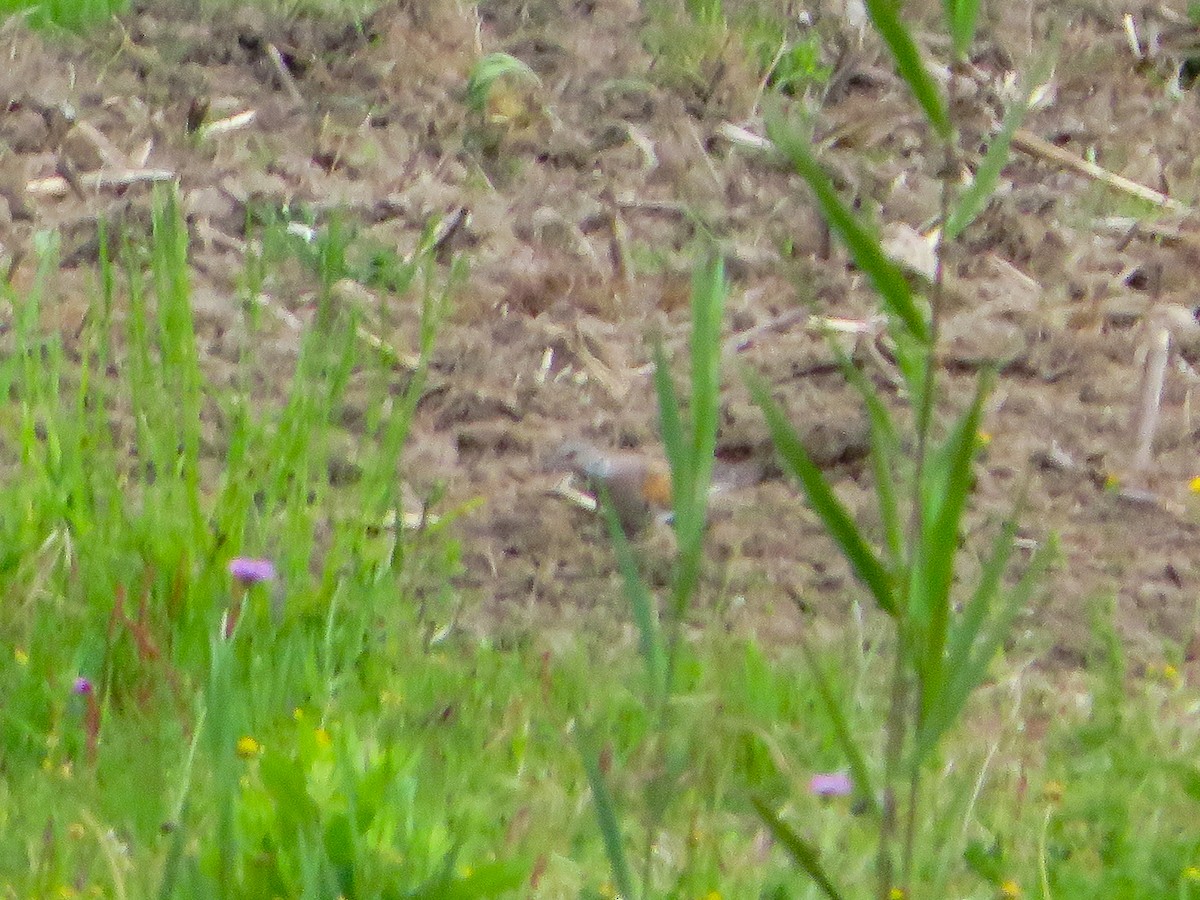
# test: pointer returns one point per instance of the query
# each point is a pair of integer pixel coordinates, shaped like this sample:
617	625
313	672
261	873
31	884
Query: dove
638	486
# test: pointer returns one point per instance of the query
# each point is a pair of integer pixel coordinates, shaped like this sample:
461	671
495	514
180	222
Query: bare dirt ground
586	205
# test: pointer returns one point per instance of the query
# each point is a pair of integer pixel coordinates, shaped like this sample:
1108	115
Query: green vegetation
229	673
734	52
72	15
344	739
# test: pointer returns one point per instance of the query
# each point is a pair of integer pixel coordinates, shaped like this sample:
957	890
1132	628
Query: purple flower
832	784
82	687
248	570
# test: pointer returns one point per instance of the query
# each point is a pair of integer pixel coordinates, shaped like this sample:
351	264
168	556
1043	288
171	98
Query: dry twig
228	124
58	186
1030	143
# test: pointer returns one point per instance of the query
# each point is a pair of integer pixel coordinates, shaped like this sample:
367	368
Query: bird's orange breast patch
657	489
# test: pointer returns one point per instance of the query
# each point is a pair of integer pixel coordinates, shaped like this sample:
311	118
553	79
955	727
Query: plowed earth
586	209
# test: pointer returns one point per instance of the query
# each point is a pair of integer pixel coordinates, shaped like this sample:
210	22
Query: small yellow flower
248	747
984	438
1010	890
322	737
1191	873
1194	485
897	894
1111	483
1052	791
21	655
712	895
1163	671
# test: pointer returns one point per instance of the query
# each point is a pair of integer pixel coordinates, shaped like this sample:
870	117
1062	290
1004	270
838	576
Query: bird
638	486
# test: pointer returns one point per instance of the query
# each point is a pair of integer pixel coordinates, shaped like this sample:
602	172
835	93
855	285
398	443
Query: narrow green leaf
801	851
691	442
606	814
910	355
824	502
884	453
857	761
708	305
691	509
886	18
976	196
975	613
670	423
868	255
645	612
986	861
944	497
963	639
969	675
998	629
960	20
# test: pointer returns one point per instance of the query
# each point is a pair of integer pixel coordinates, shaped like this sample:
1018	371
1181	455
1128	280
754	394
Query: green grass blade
825	503
180	362
885	450
962	641
975	613
961	16
435	306
800	850
670	423
886	18
944	497
855	758
910	354
868	255
965	676
683	440
1001	624
975	198
708	305
645	612
692	485
606	815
